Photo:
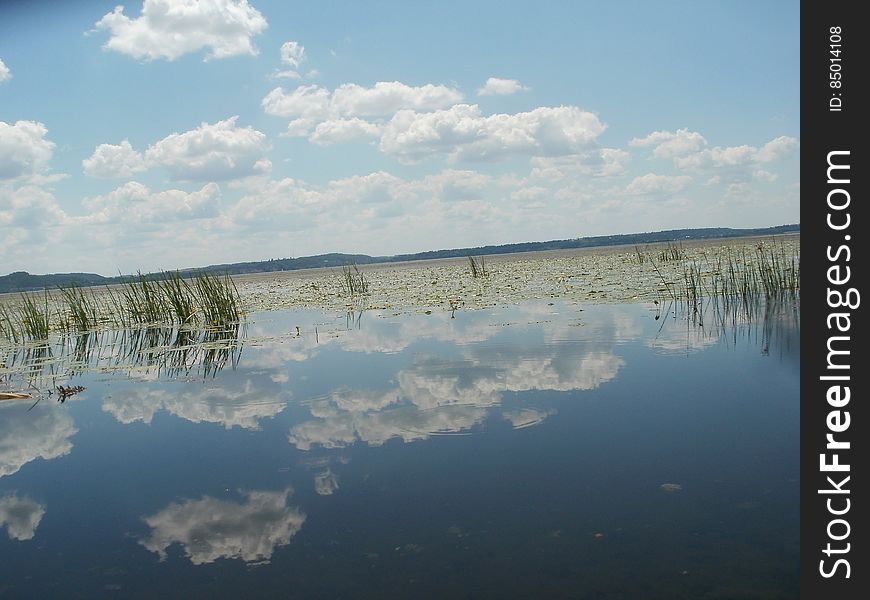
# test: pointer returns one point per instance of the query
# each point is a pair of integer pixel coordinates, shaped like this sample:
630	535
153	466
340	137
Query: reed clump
478	267
353	281
210	301
769	272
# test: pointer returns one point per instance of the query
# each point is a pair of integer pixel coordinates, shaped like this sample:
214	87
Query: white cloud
671	144
463	133
762	175
171	28
212	152
342	130
688	150
598	162
5	73
453	185
286	74
299	128
351	100
387	97
209	529
29	208
657	184
21	516
110	161
292	53
495	86
24	151
43	432
306	101
777	149
135	203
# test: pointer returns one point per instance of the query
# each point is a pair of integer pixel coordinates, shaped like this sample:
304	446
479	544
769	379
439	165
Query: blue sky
169	134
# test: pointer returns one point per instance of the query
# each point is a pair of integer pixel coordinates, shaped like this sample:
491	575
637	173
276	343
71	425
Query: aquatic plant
354	282
478	267
164	299
34	322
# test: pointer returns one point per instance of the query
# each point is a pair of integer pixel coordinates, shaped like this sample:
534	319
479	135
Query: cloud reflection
21	516
25	435
209	528
229	406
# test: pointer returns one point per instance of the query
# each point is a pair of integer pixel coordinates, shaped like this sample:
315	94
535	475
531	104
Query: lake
535	450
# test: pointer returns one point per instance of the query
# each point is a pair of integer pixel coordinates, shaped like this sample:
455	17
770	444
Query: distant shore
605	274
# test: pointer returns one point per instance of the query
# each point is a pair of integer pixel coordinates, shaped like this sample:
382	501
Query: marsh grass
82	310
353	281
672	252
34	318
478	267
741	277
166	299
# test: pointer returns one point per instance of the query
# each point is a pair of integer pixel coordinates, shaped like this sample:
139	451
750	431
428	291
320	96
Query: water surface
546	450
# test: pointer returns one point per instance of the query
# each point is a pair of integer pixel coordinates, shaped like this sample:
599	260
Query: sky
164	134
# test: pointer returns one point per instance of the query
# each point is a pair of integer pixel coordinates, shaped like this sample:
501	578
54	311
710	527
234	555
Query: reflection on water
237	404
21	516
209	529
542	446
26	435
146	351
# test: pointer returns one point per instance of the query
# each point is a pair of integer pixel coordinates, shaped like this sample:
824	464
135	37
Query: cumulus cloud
43	432
657	184
671	144
212	152
777	149
24	150
463	133
29	208
688	150
209	529
495	86
136	203
352	100
597	162
21	516
292	53
5	73
342	130
171	28
110	161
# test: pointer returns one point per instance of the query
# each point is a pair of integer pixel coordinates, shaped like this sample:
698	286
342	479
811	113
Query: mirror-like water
538	450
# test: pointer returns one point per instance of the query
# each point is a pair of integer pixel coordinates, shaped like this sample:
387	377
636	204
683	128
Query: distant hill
23	281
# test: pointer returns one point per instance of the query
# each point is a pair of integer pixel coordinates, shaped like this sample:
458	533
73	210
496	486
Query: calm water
534	451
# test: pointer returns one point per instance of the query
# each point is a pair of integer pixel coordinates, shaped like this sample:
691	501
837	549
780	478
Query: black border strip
824	129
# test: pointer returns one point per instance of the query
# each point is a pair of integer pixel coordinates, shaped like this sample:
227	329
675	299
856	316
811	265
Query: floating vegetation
478	267
354	282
